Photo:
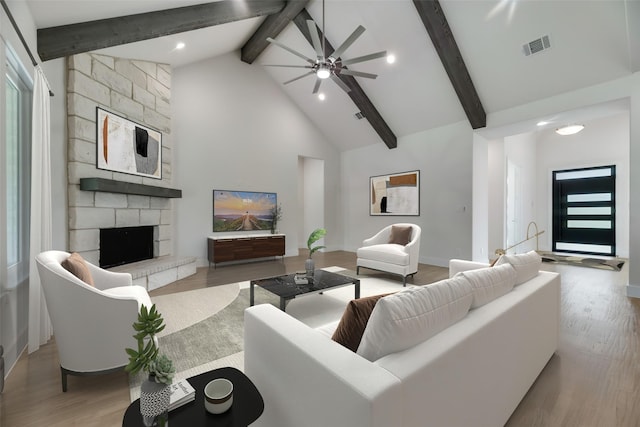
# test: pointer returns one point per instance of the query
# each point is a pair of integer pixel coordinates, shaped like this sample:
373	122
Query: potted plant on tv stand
276	214
155	392
309	264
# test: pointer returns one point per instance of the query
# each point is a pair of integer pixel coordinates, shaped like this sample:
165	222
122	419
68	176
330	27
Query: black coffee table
287	289
246	408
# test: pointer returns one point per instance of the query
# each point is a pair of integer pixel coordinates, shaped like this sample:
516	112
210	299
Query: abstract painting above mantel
396	194
127	147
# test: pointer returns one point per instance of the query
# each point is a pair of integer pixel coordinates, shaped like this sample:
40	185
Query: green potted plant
309	264
155	392
276	214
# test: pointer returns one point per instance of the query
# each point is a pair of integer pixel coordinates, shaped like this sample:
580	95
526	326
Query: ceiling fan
328	66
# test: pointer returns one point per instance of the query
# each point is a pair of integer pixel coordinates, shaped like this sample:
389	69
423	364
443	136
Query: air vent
536	46
359	115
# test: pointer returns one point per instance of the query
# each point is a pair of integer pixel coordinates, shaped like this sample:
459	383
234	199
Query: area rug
205	327
614	264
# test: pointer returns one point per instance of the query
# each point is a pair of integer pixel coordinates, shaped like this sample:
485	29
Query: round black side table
247	404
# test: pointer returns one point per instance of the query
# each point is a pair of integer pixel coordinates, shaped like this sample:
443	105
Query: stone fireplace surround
141	92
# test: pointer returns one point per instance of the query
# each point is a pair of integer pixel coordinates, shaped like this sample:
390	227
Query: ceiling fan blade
309	60
364	58
316	87
358	73
348	42
298	78
288	66
315	39
340	83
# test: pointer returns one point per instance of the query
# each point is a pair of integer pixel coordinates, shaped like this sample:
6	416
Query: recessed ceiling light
542	123
391	59
569	130
321	96
180	45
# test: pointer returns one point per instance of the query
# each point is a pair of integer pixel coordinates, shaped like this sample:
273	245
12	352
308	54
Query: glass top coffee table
286	288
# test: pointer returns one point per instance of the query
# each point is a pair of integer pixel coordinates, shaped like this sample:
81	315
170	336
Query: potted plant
155	392
276	214
309	264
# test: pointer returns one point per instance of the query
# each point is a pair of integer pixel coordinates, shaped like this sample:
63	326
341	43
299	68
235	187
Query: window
16	170
584	210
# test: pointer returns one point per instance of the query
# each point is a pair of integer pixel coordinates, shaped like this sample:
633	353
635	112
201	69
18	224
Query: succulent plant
146	357
162	369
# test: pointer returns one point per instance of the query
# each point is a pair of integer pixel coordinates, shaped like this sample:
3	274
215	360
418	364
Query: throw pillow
76	265
411	316
526	265
400	234
490	283
354	320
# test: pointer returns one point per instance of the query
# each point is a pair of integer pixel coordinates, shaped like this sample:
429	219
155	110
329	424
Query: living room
231	131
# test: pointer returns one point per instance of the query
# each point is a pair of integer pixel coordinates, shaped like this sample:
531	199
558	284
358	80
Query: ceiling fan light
323	72
569	130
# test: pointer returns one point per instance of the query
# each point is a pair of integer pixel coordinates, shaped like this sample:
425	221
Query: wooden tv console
242	247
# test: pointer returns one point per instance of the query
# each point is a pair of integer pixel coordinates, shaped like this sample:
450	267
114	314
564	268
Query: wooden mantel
112	186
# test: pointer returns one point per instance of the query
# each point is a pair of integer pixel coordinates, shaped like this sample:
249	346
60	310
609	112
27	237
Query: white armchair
377	253
92	325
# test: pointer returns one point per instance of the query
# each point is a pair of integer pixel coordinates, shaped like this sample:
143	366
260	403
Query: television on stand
243	210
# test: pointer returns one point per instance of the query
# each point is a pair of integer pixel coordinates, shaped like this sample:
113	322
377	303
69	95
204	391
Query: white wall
603	142
495	196
480	241
313	195
234	129
444	158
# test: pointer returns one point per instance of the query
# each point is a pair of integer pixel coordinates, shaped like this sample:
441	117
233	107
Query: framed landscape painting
395	195
127	147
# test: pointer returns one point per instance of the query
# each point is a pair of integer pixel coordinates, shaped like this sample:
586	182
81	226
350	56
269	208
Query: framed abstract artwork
127	147
396	194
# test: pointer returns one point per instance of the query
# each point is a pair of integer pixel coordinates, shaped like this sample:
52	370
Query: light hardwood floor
592	380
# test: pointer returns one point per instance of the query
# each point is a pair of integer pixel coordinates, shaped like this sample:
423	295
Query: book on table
181	392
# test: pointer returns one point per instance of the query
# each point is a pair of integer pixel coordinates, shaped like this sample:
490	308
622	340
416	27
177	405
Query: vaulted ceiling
592	41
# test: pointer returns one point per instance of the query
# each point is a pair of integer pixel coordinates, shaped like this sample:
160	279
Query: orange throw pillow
76	265
354	320
400	235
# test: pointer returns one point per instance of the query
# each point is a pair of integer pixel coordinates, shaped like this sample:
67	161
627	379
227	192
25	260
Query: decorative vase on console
309	264
155	391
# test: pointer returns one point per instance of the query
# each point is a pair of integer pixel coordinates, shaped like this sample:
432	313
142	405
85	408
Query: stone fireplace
141	92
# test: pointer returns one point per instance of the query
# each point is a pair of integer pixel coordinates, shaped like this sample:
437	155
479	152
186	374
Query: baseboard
633	291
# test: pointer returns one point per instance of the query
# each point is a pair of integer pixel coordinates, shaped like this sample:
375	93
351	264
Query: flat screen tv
242	210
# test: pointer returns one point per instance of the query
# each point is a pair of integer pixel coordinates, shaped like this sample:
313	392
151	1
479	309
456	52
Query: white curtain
40	329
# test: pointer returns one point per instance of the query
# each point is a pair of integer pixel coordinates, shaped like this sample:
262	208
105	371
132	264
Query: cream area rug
205	327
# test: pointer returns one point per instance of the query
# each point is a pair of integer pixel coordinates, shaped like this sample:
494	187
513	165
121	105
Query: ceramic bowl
218	395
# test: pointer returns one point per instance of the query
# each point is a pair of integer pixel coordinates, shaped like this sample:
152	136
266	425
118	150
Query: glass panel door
584	210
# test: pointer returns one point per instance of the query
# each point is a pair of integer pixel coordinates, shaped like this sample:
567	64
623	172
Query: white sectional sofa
473	373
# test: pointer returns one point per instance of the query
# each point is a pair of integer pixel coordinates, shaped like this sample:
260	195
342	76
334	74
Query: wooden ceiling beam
66	40
438	28
270	27
357	95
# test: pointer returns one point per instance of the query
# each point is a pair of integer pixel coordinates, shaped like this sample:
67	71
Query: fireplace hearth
125	245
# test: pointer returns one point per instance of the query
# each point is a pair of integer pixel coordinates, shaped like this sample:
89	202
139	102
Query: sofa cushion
526	265
408	317
490	283
354	320
76	265
388	252
400	234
